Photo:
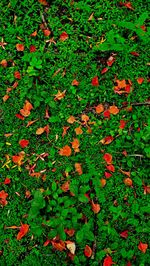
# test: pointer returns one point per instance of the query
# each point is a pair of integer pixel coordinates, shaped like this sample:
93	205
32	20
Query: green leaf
54	186
79	236
82	198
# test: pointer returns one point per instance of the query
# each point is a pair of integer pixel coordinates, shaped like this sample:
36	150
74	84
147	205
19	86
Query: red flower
3	196
87	251
108	158
95	81
104	70
23	231
7	181
64	36
32	48
20	47
17	75
124	234
111	168
134	53
142	247
108	261
106	114
122	124
23	143
107	175
20	116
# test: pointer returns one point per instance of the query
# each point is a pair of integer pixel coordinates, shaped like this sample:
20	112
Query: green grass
48	210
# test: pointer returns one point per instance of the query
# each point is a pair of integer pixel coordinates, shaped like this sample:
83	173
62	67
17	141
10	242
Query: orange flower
78	168
113	110
26	109
66	186
75	145
60	95
78	130
142	247
65	151
84	118
65	131
71	119
59	245
17	159
75	83
128	182
99	108
102	182
95	207
17	75
69	232
20	47
3	196
23	231
46	32
140	80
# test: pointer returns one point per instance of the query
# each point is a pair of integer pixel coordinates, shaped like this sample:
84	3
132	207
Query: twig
138	104
136	155
44	21
144	103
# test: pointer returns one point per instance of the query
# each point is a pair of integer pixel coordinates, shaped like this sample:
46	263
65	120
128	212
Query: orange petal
142	247
78	130
40	130
24	112
71	119
128	182
78	168
99	108
108	158
103	182
75	143
95	207
23	231
84	118
65	151
113	110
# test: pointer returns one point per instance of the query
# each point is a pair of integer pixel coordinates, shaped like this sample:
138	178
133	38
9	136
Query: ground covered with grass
74	132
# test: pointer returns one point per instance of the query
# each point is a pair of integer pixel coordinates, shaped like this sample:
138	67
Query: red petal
64	36
106	114
140	80
19	116
124	234
87	251
46	243
95	81
7	181
32	48
108	158
122	124
107	261
135	53
142	247
23	143
17	75
107	175
111	168
104	70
